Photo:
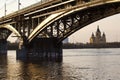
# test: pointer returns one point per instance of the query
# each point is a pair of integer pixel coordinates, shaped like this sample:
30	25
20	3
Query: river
77	64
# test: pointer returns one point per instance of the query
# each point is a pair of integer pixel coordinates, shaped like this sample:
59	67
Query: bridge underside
47	44
5	31
68	24
41	49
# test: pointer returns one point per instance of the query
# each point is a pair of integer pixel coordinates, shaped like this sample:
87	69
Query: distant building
66	40
98	38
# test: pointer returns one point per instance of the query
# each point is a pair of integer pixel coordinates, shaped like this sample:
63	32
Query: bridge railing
44	1
29	9
42	4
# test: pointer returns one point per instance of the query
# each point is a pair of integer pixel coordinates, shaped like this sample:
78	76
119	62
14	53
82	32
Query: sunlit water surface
78	64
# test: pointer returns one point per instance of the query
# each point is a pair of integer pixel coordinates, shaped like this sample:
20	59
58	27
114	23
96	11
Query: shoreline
91	46
14	46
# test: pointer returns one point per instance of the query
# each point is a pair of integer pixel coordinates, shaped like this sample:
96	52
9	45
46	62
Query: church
98	38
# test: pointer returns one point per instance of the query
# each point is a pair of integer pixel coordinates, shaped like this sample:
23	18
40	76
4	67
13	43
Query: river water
77	64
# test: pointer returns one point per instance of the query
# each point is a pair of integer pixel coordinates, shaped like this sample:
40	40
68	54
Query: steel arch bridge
65	23
6	30
43	26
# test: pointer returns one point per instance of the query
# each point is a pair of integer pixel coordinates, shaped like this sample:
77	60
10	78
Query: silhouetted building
66	40
98	38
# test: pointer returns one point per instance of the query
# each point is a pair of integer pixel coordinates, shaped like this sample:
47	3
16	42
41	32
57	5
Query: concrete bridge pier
45	49
3	47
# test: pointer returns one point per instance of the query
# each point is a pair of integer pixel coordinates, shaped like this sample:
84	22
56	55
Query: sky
109	25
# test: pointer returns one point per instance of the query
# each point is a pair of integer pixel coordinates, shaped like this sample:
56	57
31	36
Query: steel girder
5	31
72	20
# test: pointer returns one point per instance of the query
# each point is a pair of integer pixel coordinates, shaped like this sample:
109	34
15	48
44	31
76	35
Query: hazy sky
12	5
109	25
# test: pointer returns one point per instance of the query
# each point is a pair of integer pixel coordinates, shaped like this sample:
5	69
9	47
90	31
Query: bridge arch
75	18
11	28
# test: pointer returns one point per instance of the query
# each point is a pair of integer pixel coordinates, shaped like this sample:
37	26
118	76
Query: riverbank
14	46
88	45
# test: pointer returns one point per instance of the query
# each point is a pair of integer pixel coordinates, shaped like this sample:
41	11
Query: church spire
92	34
98	33
103	34
98	30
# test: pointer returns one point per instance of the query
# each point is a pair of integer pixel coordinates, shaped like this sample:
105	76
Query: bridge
43	26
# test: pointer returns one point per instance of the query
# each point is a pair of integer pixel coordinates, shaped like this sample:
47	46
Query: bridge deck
29	9
38	7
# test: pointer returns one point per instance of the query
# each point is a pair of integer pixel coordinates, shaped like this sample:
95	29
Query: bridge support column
3	47
45	49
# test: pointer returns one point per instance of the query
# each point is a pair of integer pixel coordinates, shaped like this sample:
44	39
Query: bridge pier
3	47
45	49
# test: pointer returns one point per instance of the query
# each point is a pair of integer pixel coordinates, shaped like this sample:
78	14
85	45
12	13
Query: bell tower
98	33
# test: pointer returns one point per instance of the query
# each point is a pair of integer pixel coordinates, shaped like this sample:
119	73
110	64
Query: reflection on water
78	64
3	67
17	70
